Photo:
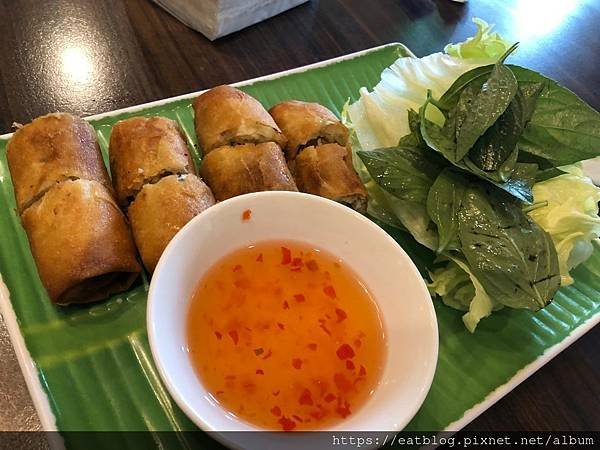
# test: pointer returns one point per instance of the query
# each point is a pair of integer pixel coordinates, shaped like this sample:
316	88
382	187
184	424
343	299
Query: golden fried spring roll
80	242
241	169
143	150
326	170
228	116
160	210
305	124
51	149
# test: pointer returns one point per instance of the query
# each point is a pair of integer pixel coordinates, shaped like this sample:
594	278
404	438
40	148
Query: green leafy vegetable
514	259
443	203
405	172
571	217
484	44
563	128
485	107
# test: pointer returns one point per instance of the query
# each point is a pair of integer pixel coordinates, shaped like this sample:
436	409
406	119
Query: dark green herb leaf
405	172
443	203
476	76
514	259
546	174
484	110
563	129
413	139
440	139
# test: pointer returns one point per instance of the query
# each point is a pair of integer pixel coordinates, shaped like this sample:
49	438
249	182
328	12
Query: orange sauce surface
285	337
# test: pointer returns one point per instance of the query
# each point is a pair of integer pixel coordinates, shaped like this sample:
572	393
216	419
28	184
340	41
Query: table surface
88	57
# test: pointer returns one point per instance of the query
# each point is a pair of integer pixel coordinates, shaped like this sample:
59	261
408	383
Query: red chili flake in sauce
259	372
329	291
237	268
349	365
343	411
234	336
259	258
287	424
298	418
246	215
329	398
295	269
324	328
276	411
268	355
318	414
219	392
342	383
286	256
258	351
312	346
297	363
296	262
286	305
218	335
362	372
357	343
341	314
305	398
345	352
281	326
275	393
299	298
312	265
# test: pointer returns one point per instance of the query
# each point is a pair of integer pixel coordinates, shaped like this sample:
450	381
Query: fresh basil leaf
563	128
413	139
484	110
514	258
518	185
440	139
546	174
443	203
476	76
529	94
405	172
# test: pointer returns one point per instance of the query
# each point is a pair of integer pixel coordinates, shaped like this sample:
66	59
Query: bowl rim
195	416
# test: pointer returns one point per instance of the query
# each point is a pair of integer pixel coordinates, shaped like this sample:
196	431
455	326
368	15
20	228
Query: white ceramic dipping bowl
389	274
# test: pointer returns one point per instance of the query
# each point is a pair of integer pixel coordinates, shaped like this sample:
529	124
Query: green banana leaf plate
90	367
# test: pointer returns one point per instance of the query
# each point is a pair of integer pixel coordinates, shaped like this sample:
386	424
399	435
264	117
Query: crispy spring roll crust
80	242
305	123
50	149
228	116
241	169
142	150
160	210
326	170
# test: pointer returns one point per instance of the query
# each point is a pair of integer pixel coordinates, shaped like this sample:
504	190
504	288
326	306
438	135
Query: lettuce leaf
460	289
484	44
570	217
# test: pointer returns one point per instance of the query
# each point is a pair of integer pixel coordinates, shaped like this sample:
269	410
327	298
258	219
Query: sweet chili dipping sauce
285	337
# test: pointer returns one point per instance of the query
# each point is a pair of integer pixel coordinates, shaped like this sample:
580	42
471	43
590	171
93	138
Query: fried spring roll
143	150
80	242
326	170
228	116
305	124
241	169
160	210
51	149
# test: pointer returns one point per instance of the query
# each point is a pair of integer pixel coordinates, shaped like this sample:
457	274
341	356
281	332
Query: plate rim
29	369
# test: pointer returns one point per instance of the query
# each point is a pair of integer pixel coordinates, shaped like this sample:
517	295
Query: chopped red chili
259	258
233	334
259	372
276	411
362	372
287	424
297	363
349	365
305	398
218	335
342	383
312	265
286	255
258	351
296	262
281	326
341	314
330	397
299	298
237	268
246	214
312	346
345	352
329	291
